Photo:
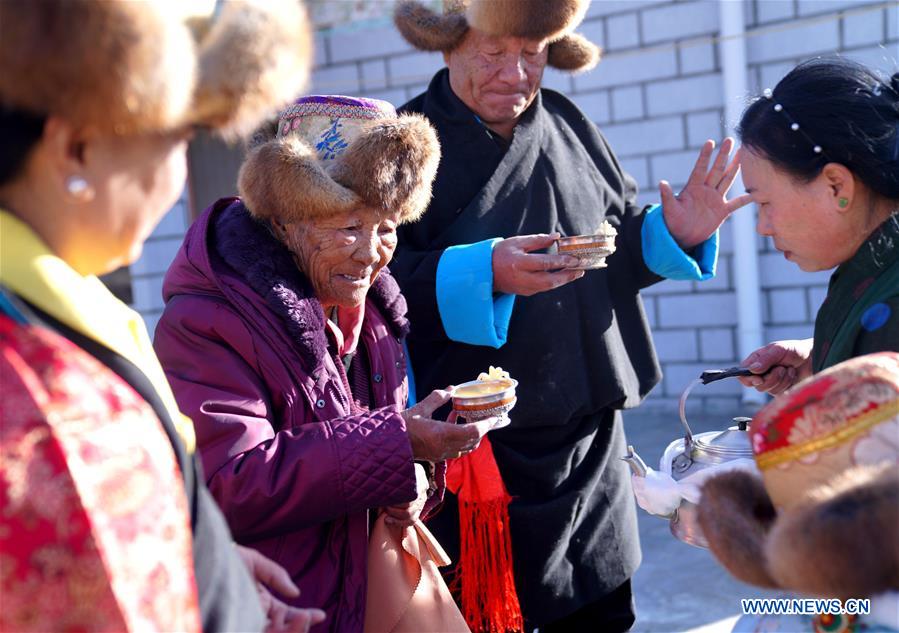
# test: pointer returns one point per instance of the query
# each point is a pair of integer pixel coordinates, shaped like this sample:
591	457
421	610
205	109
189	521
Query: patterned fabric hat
554	20
840	418
332	153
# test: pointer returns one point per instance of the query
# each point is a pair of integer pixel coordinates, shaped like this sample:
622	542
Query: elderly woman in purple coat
283	338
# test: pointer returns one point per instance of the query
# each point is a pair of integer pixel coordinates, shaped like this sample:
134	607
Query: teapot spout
637	465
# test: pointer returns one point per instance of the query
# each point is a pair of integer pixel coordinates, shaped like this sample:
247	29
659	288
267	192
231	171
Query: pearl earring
79	188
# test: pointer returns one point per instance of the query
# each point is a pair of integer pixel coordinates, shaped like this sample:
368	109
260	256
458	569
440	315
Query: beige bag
406	593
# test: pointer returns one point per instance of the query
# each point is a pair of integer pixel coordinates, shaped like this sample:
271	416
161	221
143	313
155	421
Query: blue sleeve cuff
665	258
410	377
469	311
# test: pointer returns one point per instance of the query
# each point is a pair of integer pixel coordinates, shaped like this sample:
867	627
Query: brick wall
657	95
159	251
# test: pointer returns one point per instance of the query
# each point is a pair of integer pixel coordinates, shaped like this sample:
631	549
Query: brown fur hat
735	514
534	19
132	67
333	153
841	540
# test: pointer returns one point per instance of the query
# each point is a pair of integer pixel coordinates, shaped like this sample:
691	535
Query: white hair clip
794	125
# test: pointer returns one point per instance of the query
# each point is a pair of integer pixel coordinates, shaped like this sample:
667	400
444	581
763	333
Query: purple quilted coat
293	461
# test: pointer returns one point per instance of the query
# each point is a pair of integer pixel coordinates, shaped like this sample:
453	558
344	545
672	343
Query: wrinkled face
798	216
497	77
343	254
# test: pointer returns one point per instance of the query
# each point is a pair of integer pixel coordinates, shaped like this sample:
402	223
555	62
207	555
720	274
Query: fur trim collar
554	20
266	265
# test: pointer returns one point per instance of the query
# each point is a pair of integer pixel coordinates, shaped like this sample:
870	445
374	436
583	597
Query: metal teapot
694	453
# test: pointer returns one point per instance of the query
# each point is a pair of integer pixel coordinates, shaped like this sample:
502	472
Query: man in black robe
519	165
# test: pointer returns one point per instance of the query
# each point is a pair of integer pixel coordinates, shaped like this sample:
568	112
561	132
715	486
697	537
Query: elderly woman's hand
436	441
406	514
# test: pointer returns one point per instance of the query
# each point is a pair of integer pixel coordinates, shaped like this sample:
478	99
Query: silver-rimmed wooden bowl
481	399
591	250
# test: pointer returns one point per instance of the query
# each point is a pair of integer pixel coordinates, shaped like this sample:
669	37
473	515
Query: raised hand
694	214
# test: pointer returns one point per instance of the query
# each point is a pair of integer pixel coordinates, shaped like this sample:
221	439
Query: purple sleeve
269	481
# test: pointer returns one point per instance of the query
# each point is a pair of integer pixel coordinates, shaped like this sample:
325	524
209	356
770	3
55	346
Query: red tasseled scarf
489	600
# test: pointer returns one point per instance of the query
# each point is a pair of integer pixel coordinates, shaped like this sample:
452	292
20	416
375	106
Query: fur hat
332	153
534	19
824	519
134	67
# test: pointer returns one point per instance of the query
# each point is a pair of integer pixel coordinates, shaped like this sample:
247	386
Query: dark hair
829	110
19	133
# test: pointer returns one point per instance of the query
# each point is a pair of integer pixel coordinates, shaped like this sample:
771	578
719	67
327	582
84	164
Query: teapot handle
713	375
683	461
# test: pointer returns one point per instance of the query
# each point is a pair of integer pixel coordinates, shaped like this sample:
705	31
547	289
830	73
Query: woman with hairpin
821	160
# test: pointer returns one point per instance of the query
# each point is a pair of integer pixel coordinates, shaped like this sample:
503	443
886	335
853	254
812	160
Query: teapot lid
726	445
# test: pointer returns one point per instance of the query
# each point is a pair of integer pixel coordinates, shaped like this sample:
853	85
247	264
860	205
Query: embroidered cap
844	416
329	123
332	153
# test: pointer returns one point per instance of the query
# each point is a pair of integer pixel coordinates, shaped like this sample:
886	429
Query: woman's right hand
436	441
778	365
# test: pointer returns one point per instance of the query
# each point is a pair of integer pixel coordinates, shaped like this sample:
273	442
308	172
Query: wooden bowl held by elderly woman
591	250
481	399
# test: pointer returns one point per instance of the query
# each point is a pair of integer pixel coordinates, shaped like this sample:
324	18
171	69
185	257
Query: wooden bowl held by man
591	249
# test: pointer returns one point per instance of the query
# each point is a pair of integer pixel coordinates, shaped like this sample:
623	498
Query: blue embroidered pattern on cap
876	316
331	144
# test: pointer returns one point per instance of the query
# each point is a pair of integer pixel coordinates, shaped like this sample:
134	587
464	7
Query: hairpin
794	125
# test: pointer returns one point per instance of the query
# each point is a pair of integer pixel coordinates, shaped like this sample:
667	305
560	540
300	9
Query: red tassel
485	572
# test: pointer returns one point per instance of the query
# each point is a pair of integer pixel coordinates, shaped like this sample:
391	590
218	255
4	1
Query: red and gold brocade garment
94	525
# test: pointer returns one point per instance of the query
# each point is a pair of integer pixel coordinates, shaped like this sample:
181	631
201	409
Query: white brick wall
159	251
678	21
657	96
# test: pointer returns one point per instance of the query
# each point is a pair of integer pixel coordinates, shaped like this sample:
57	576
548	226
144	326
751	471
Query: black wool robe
580	352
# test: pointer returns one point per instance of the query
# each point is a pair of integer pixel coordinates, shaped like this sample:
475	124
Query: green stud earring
843	202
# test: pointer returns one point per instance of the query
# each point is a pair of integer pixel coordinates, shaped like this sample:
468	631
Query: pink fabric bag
406	593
